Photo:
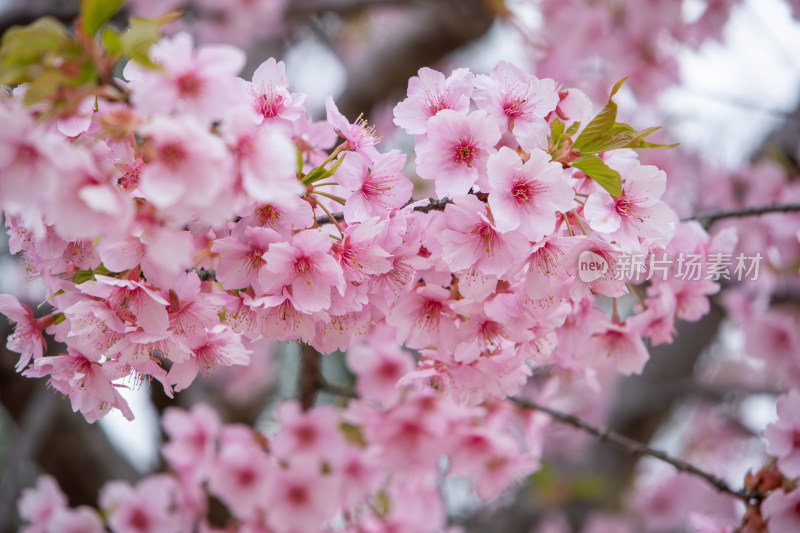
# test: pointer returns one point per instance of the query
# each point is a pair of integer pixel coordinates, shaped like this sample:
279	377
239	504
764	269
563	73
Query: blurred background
723	79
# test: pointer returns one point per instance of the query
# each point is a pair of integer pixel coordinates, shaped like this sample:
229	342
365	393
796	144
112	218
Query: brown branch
707	219
638	449
309	376
606	435
310	7
434	204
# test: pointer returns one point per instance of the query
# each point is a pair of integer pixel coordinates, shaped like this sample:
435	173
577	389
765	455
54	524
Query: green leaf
333	168
25	51
95	13
82	276
299	159
59	292
556	132
572	130
320	173
596	168
112	41
353	434
102	270
43	86
601	124
141	35
60	317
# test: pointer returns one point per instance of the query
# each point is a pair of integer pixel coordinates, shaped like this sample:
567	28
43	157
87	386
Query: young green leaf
26	51
556	132
141	35
601	124
95	13
596	168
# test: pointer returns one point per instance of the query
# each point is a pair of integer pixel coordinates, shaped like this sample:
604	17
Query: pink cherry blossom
201	83
220	347
374	188
190	166
281	318
424	317
782	511
494	459
241	474
519	102
145	508
192	439
472	240
428	93
621	346
313	138
638	212
272	100
132	301
241	259
358	135
360	254
38	505
313	433
27	339
87	382
190	313
527	196
81	520
30	158
265	157
456	150
783	436
300	497
306	266
282	214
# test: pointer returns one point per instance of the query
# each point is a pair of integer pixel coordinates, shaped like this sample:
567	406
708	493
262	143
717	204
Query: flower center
189	85
525	191
245	478
171	154
298	496
269	103
486	235
436	102
26	155
513	104
267	215
302	265
464	151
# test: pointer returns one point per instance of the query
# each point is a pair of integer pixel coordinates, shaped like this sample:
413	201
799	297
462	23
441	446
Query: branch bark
708	219
637	449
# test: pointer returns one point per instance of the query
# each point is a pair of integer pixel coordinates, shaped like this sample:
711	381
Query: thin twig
707	219
434	204
637	448
310	7
337	390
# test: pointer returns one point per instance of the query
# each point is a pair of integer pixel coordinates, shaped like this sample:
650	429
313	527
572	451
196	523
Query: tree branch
434	204
311	7
309	378
707	219
637	448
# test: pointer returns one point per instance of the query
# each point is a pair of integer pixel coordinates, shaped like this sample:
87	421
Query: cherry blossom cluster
202	212
367	468
622	38
119	208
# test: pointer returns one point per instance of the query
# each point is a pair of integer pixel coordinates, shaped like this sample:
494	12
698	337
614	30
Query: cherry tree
490	287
